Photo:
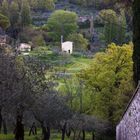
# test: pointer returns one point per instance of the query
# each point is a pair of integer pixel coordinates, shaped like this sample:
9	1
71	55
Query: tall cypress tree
25	13
14	14
136	39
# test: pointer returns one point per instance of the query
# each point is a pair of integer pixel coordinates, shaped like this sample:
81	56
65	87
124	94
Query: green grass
70	64
11	137
6	137
54	136
78	64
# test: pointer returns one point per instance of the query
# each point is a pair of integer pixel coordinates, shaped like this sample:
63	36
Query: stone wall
129	126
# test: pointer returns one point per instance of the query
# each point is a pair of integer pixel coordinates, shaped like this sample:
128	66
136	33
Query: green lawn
66	61
54	136
11	137
78	64
63	64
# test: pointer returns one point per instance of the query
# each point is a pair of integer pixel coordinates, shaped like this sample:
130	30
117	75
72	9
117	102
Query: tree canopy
4	21
114	25
109	80
61	23
80	43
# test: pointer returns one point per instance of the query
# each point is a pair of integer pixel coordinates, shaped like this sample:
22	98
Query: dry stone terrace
129	126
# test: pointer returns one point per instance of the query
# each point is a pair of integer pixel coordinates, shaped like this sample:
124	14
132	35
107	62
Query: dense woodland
49	95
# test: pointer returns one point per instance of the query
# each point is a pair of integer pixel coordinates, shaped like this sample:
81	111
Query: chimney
91	25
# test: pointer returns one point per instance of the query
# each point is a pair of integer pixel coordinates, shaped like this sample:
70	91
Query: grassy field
54	136
11	137
62	64
70	63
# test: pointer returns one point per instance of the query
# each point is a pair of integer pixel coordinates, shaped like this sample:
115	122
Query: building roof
24	45
131	100
67	42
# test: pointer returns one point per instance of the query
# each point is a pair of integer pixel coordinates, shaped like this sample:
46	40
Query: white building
24	47
67	47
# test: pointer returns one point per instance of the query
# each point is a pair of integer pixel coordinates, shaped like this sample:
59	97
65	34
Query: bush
80	43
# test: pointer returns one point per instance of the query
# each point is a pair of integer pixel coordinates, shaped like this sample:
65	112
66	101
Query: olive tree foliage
61	23
79	124
15	90
47	107
25	89
5	84
50	110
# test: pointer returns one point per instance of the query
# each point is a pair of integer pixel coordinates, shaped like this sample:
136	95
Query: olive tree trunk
19	130
4	126
63	131
84	135
93	136
45	132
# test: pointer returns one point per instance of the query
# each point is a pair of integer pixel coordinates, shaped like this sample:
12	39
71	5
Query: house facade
24	47
129	126
67	47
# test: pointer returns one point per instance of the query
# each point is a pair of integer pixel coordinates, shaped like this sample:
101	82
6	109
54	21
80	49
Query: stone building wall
129	126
